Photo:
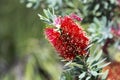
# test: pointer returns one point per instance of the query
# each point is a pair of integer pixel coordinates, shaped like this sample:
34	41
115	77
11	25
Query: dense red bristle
70	41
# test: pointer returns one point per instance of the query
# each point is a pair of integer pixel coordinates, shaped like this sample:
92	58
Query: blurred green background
24	52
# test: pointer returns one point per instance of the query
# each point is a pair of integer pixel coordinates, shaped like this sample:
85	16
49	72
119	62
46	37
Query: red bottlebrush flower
70	40
114	71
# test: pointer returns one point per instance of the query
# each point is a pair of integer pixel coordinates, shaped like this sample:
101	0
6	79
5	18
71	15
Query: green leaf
98	13
97	7
98	55
102	66
46	13
88	46
106	5
94	73
112	1
50	16
66	76
70	4
77	65
68	63
104	76
104	21
97	22
43	18
88	78
81	76
98	63
92	28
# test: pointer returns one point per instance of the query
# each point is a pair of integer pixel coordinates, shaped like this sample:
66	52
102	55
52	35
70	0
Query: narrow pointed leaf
98	63
104	76
81	76
43	18
88	78
102	66
98	55
94	73
46	13
77	65
68	63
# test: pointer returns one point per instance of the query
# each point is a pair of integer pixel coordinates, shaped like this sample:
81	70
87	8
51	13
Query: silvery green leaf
104	76
66	76
77	65
88	46
110	36
92	28
105	5
102	66
88	60
52	3
43	18
112	1
84	1
92	60
46	13
37	4
88	78
29	5
104	21
98	56
70	4
50	16
110	24
62	78
68	63
96	21
94	73
81	76
98	63
97	7
95	50
98	13
101	39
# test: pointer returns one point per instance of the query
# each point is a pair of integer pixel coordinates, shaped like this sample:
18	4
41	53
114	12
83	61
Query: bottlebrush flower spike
70	40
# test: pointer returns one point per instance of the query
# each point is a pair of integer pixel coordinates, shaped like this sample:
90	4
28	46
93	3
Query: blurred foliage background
24	52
